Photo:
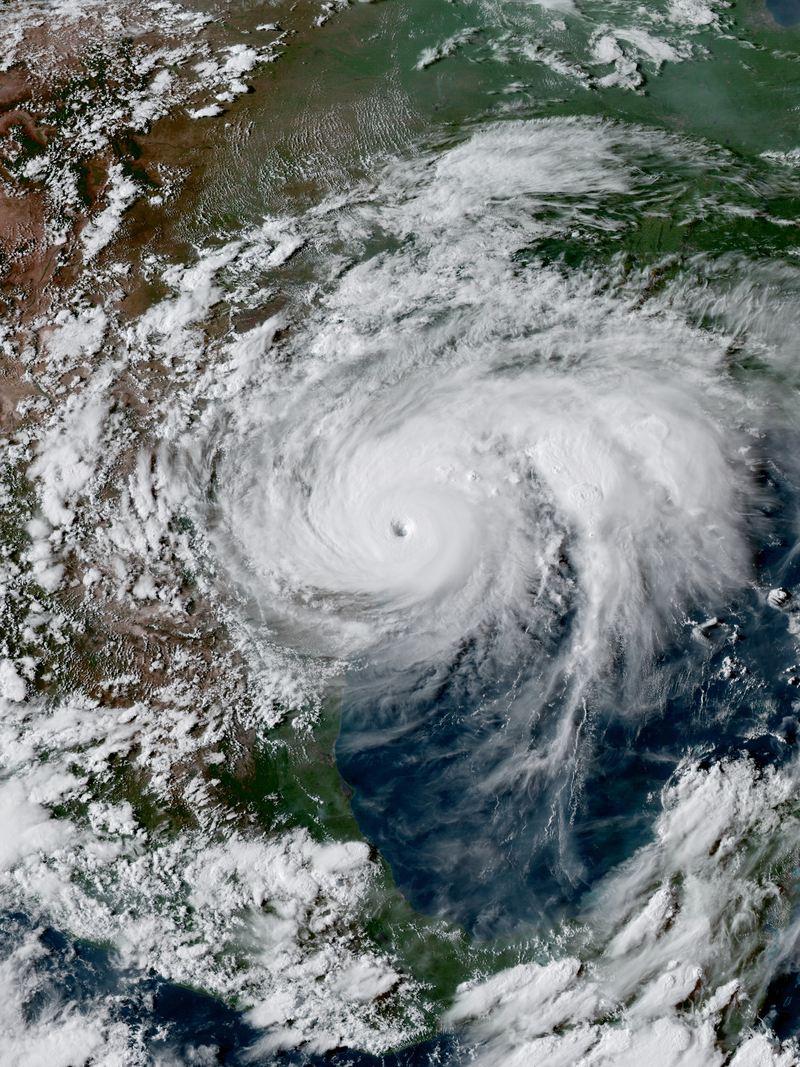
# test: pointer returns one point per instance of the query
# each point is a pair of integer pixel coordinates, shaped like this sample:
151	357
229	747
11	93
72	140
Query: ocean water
402	613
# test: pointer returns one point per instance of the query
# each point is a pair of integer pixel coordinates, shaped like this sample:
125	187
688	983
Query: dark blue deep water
464	839
470	835
169	1020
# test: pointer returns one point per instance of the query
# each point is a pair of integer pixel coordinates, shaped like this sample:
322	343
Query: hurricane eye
400	529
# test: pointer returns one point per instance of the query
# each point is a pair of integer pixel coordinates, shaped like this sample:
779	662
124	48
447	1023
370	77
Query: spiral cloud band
499	490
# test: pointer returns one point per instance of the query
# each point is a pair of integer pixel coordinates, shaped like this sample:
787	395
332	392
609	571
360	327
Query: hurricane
399	535
503	515
447	465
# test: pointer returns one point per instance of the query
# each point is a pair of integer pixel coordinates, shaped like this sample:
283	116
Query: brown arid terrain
82	89
98	118
147	708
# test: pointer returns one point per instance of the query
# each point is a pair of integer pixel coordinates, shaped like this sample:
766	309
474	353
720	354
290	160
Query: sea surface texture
400	533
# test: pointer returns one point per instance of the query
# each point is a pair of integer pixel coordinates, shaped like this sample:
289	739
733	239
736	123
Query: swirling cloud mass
453	505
